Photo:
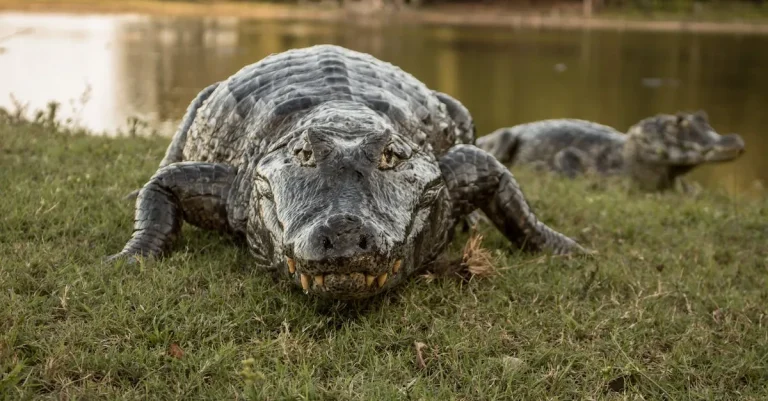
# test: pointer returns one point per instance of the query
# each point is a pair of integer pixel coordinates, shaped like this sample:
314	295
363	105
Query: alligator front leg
475	179
192	191
571	162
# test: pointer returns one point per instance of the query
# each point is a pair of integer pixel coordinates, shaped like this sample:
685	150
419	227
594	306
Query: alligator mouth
729	147
354	284
723	154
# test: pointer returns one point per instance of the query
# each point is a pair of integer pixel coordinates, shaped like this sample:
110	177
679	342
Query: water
105	69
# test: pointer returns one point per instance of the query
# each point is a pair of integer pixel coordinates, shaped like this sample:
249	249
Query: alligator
655	152
340	172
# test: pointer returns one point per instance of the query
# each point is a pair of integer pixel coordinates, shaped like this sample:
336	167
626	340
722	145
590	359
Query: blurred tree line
589	6
652	4
674	5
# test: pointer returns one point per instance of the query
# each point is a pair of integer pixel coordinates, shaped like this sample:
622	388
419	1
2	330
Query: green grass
674	307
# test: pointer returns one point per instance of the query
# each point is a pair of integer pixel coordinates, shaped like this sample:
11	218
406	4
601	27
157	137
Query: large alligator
654	153
344	173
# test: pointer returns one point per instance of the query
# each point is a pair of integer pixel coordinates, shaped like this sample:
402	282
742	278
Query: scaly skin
476	180
655	152
345	174
191	191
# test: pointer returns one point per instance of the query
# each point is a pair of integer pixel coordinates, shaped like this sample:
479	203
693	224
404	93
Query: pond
105	69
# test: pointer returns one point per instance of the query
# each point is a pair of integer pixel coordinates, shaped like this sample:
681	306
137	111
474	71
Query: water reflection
151	67
60	58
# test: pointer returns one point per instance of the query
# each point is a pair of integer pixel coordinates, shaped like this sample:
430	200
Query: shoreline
455	15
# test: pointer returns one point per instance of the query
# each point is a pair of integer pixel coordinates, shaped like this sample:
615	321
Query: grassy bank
674	307
735	19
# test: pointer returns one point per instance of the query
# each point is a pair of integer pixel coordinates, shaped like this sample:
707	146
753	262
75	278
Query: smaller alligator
654	153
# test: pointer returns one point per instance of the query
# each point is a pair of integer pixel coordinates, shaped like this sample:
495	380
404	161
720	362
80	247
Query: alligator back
257	105
541	140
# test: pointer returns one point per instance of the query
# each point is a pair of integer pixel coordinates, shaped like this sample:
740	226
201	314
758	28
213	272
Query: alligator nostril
363	243
342	235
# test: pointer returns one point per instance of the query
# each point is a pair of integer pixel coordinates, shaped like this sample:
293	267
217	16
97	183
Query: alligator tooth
319	280
291	265
305	282
382	279
396	266
369	279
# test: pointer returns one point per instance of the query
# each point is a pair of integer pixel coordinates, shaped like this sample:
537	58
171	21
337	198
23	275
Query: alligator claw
129	259
132	195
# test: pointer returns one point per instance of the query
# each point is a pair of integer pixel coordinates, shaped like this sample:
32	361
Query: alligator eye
263	187
305	155
388	159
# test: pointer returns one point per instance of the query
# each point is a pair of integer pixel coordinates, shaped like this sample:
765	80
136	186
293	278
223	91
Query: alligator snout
728	147
337	236
342	235
341	257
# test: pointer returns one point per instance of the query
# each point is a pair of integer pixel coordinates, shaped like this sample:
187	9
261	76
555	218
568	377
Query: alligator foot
475	179
191	191
688	188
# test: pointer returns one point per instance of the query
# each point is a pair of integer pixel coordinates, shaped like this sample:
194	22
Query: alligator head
683	139
347	201
663	147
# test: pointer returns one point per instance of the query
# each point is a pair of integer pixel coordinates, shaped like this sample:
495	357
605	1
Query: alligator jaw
368	284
